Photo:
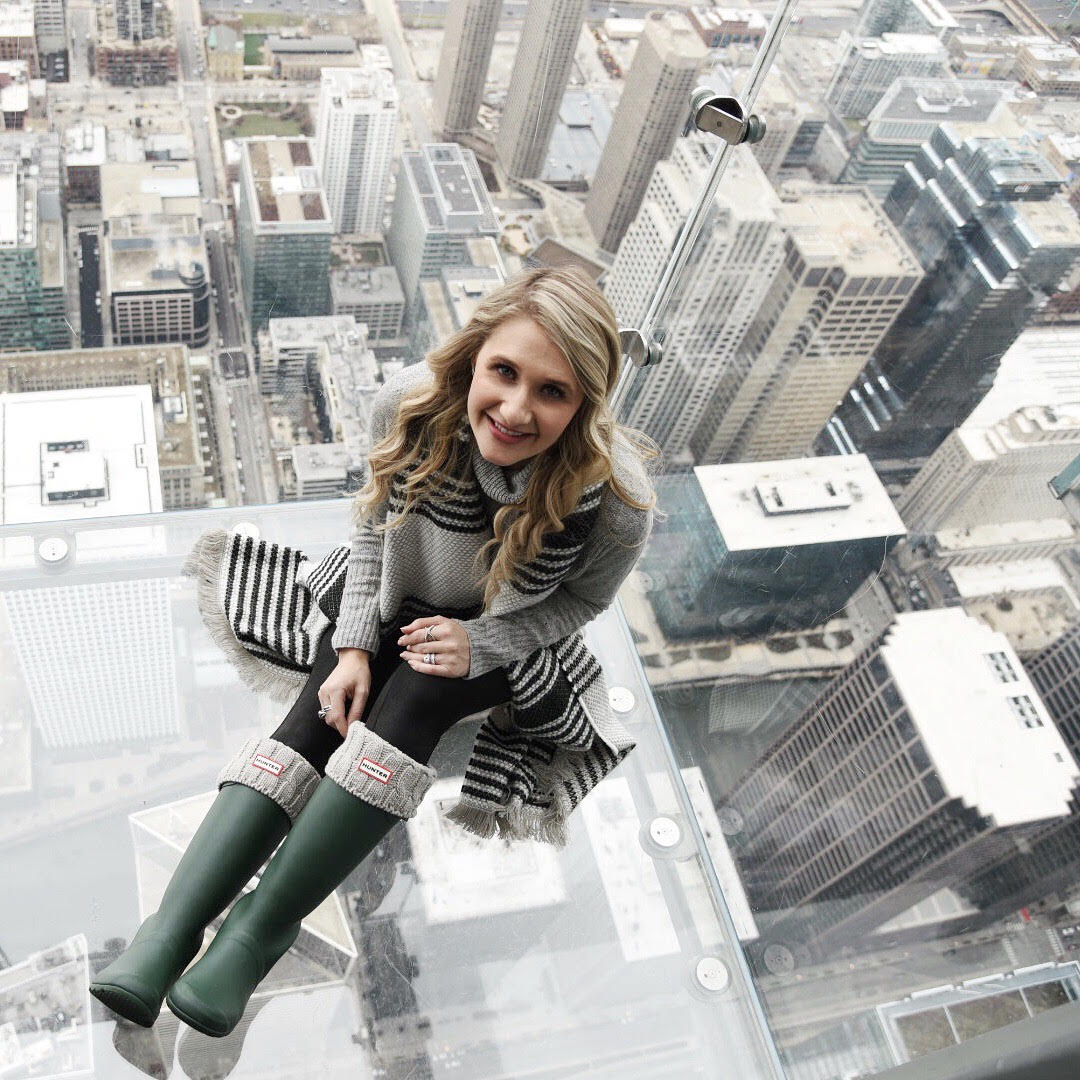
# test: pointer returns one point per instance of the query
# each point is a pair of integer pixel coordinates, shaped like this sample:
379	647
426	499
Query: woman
512	407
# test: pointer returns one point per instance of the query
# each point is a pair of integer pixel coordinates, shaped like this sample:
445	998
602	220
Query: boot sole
125	1004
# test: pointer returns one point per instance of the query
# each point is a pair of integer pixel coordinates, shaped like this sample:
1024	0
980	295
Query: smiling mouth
505	430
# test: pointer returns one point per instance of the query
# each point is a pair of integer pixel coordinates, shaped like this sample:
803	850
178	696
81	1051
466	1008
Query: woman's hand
351	679
453	656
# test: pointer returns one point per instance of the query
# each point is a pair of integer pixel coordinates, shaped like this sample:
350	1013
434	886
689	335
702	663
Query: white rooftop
117	424
1020	575
1004	758
1006	532
766	504
1040	368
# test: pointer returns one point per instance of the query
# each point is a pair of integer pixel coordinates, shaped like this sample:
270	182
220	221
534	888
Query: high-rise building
910	111
448	301
466	52
32	265
845	276
295	354
870	65
154	272
372	295
50	26
115	431
736	257
1044	865
995	474
355	134
796	121
542	66
905	17
764	546
915	767
995	240
653	108
284	230
440	203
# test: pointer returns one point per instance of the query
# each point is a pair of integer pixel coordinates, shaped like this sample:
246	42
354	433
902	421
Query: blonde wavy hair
422	441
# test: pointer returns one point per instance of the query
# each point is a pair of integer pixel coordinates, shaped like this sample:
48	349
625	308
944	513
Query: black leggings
409	709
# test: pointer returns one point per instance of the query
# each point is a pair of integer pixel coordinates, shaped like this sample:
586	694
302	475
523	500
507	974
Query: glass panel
872	327
849	836
225	227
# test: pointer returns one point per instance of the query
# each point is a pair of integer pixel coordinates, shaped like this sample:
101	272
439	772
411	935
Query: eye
558	393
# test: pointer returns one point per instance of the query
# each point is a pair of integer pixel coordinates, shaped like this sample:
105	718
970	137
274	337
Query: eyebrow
557	382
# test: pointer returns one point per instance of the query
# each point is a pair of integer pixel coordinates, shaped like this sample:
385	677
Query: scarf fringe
204	563
515	821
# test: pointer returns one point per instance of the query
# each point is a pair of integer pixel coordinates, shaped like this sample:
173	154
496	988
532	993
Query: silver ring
429	658
429	636
323	711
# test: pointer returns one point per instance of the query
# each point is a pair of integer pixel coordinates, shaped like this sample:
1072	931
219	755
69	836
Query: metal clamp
643	353
724	116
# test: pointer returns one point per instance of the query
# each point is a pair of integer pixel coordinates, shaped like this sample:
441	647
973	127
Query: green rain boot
260	791
370	785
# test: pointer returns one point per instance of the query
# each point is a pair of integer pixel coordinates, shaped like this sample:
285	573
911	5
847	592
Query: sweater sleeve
358	624
499	639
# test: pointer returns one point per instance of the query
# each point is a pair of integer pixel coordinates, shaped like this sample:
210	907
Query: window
1024	710
1003	669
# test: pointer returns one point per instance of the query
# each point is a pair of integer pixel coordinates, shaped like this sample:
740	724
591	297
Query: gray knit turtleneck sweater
384	569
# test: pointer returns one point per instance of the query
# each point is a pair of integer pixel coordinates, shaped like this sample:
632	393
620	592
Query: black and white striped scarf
533	760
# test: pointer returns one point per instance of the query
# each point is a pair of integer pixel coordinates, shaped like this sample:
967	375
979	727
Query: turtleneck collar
496	481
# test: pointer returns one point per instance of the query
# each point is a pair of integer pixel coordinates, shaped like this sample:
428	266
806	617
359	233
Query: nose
515	410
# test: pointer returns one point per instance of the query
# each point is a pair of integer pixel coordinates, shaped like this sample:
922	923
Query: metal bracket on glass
643	353
724	116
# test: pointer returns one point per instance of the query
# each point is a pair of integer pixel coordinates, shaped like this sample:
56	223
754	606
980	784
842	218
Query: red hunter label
375	770
261	761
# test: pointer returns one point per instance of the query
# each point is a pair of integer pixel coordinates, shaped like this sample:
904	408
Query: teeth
506	431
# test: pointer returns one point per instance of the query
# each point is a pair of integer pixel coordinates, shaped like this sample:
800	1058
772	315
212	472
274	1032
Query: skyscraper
32	313
869	67
354	144
905	17
439	205
995	240
846	275
914	768
466	52
1047	863
284	230
541	69
734	260
995	474
653	108
910	111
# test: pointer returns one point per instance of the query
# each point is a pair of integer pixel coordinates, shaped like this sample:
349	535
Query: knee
410	692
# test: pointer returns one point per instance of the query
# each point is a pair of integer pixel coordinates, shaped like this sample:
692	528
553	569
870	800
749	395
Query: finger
440	669
336	717
356	709
441	651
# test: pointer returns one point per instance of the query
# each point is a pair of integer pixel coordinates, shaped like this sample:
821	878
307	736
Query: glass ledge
442	954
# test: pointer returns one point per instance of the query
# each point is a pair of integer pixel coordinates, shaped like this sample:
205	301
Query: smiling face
522	380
